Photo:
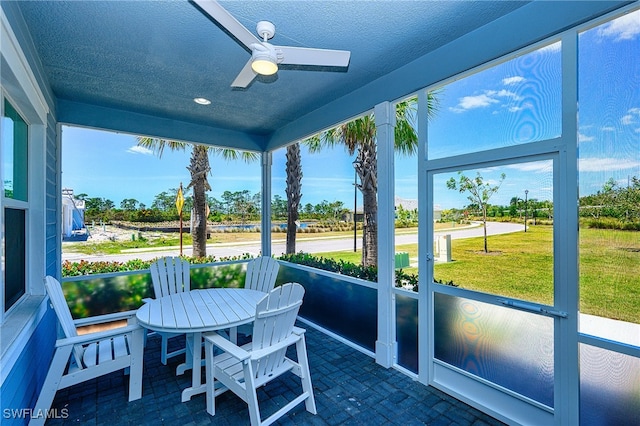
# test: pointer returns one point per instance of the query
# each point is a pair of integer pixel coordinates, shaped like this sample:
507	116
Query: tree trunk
199	169
484	224
367	169
293	190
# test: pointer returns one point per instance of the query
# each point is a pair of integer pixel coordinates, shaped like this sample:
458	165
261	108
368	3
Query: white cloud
626	119
608	129
631	116
606	164
512	80
584	138
488	98
480	101
502	93
624	28
136	149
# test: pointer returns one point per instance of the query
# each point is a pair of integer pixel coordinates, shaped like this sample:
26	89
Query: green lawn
520	265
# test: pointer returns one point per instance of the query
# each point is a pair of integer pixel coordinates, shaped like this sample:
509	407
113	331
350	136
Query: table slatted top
200	310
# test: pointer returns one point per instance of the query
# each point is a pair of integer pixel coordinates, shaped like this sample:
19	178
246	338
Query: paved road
308	245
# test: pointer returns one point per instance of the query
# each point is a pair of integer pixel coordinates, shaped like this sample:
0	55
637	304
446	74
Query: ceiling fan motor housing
266	30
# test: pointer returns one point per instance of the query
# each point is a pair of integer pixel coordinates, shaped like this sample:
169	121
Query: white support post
565	238
265	222
425	247
386	346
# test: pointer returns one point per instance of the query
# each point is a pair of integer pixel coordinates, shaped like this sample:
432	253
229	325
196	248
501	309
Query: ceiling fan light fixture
263	63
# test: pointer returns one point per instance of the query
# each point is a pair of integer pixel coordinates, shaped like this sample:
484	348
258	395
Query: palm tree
294	194
359	137
199	168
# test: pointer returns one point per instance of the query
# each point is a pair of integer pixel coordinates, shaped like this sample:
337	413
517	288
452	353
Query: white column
565	239
265	221
386	347
425	246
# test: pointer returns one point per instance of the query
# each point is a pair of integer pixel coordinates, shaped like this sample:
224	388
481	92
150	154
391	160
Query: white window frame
19	86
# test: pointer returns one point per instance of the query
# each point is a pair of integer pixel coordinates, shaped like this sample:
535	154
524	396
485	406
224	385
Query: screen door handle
533	308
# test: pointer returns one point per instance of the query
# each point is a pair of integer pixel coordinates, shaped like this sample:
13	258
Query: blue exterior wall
22	386
53	193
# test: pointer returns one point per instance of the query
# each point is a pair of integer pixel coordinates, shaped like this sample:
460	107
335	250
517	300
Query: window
508	104
14	154
14	197
609	178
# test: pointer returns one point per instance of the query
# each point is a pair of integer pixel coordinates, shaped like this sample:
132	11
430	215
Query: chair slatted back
170	275
61	308
261	274
276	314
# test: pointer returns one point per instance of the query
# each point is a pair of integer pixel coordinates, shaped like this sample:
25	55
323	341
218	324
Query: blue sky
515	102
112	166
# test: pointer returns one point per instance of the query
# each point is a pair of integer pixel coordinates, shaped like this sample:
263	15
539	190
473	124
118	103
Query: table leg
188	356
196	364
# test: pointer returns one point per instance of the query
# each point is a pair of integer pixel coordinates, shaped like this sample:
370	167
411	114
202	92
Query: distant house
72	215
412	205
348	216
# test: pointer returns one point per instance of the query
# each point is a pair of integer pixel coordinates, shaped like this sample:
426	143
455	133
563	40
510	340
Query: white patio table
194	312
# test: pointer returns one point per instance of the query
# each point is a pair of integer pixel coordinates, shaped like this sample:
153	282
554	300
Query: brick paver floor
350	389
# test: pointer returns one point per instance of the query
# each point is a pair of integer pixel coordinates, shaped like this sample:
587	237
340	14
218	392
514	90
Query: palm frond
158	145
235	154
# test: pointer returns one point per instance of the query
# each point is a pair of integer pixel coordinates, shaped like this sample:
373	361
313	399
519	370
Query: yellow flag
179	200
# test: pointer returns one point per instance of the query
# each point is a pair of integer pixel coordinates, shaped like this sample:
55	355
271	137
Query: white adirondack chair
170	275
244	369
88	356
261	275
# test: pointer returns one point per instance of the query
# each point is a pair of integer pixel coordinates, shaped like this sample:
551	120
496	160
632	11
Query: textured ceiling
152	58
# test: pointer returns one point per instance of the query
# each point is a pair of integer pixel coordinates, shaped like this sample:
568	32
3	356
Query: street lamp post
526	193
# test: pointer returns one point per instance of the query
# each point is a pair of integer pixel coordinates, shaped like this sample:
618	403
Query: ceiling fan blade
318	57
245	77
227	21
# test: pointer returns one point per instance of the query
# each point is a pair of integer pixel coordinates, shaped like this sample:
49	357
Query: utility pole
355	205
526	193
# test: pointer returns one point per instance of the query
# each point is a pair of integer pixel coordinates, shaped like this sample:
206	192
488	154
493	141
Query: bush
403	279
338	266
610	223
72	269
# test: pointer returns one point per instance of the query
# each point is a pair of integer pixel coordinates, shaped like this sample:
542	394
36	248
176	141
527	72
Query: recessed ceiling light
202	101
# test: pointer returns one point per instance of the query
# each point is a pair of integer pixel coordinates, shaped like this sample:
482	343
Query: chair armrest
94	337
222	343
101	319
147	299
298	331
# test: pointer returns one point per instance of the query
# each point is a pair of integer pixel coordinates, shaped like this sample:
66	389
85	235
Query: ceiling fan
265	56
